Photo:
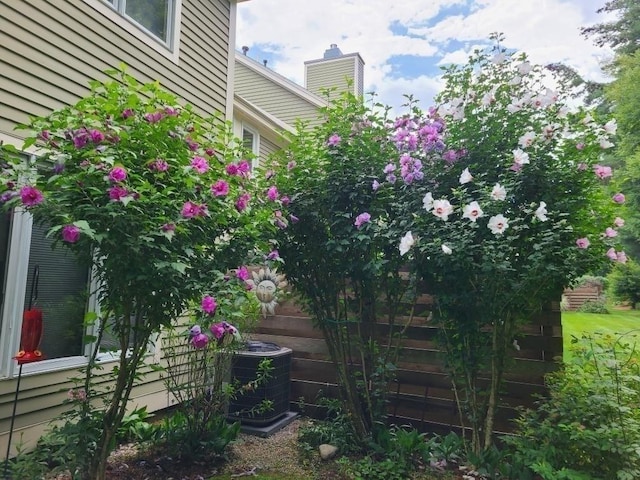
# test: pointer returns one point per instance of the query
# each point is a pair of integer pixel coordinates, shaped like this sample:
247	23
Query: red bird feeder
31	336
31	327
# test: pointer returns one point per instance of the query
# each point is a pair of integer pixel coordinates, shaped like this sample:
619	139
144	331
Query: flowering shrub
338	254
199	368
493	199
509	211
151	196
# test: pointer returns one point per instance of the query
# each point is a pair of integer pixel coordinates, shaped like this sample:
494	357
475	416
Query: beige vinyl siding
267	148
272	97
41	400
332	73
50	50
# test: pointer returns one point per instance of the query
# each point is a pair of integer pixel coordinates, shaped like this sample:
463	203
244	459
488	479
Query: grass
617	322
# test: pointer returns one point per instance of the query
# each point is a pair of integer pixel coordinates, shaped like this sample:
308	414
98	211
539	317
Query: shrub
589	426
624	283
594	306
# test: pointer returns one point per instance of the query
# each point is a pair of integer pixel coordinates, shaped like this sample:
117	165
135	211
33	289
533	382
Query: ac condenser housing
276	389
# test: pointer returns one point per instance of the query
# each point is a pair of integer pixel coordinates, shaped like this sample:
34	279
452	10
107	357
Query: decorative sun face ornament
266	283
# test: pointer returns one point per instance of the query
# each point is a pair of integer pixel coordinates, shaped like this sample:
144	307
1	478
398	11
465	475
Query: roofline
334	59
262	117
275	77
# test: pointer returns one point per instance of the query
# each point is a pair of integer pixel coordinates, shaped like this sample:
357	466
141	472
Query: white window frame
169	48
255	146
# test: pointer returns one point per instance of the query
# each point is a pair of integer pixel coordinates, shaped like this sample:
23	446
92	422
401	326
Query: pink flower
220	188
193	146
580	146
199	164
118	192
291	165
242	273
209	305
272	193
217	329
126	113
244	167
117	174
232	169
610	232
602	171
96	136
285	200
293	218
375	185
190	210
70	233
273	255
583	242
362	219
170	111
618	198
621	257
80	138
619	222
199	341
169	227
210	151
611	253
334	140
30	196
159	165
153	117
242	202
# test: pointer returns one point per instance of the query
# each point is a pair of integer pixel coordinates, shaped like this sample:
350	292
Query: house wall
49	51
272	97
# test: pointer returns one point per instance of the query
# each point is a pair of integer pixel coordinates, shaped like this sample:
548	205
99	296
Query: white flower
472	211
498	224
488	98
499	58
442	209
604	143
427	202
524	68
406	243
541	212
587	119
527	139
498	192
514	107
611	127
516	345
515	80
465	176
446	250
520	157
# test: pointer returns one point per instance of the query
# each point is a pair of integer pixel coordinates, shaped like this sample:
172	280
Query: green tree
623	33
624	283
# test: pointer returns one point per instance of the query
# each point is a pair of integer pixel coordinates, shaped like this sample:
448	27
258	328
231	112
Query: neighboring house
49	51
266	104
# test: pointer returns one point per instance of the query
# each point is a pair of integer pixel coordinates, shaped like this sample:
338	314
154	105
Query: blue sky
404	43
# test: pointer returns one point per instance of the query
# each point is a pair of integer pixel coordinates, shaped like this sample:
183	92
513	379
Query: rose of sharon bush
140	188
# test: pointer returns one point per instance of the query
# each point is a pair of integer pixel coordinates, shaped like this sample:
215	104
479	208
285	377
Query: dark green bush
589	426
594	306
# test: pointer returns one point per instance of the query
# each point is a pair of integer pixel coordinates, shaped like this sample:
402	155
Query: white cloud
299	30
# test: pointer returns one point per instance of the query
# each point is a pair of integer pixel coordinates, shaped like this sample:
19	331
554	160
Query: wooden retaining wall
422	395
577	296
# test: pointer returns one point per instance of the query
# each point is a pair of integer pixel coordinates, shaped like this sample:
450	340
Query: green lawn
616	322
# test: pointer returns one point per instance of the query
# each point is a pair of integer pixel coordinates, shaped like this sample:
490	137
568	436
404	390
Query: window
251	141
156	17
59	289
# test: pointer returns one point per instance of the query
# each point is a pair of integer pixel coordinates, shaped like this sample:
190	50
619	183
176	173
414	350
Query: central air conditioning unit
244	407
